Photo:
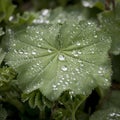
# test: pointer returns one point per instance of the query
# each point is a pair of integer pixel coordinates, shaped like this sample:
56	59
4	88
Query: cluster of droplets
114	116
43	18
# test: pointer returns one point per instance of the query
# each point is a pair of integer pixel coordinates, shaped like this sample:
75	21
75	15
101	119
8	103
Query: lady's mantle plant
57	57
56	65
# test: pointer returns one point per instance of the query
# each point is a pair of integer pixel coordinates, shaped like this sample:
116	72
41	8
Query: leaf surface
56	58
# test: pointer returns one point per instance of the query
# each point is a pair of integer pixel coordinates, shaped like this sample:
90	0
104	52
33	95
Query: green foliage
71	104
26	18
36	99
108	114
3	113
55	64
113	100
6	9
6	75
110	109
111	19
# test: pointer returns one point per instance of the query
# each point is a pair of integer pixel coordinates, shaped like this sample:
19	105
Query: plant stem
42	114
73	115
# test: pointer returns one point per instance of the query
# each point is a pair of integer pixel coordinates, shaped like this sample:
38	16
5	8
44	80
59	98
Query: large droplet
33	53
45	12
64	68
78	43
49	50
61	57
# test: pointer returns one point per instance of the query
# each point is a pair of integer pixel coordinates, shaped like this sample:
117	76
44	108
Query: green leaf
36	99
6	9
113	100
110	19
26	18
107	114
3	113
56	58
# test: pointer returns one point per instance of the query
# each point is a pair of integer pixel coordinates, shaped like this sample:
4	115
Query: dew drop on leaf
45	12
78	43
49	50
33	53
64	68
95	36
61	57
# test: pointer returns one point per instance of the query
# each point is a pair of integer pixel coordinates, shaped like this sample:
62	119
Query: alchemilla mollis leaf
54	58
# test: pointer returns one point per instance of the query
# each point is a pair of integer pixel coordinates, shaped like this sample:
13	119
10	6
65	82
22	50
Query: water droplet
66	83
86	3
64	68
89	23
95	36
78	43
49	50
15	51
41	39
14	44
33	53
73	25
61	57
39	45
37	32
11	18
99	71
79	52
45	12
106	80
55	87
59	21
92	52
20	52
58	83
75	53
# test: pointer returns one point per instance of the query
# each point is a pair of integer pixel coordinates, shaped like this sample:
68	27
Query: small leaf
107	114
6	75
110	19
36	99
26	18
56	58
